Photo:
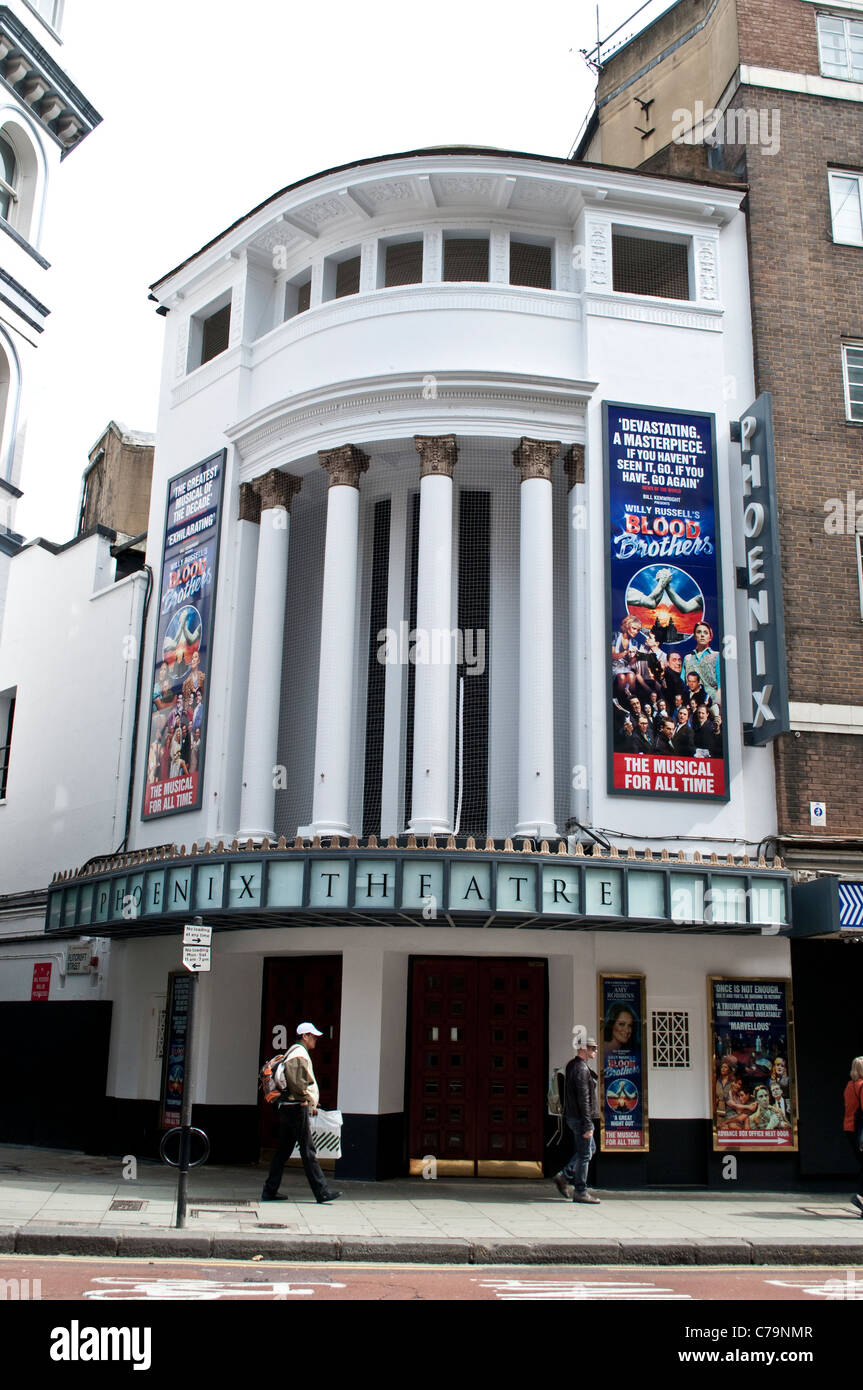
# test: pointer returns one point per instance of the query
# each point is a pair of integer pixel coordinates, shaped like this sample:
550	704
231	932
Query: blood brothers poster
665	725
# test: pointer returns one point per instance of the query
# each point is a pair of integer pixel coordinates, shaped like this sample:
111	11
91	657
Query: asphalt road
109	1280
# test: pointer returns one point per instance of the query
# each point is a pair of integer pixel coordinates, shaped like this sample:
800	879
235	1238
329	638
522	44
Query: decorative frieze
438	454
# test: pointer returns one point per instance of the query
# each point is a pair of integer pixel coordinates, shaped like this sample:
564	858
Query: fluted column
533	458
431	793
338	622
271	495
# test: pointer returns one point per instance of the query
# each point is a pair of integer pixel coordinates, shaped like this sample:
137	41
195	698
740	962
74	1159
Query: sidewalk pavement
56	1202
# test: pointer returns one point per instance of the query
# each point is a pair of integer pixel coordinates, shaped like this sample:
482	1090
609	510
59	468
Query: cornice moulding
394	406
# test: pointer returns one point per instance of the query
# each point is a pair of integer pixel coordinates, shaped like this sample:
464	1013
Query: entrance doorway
478	1065
302	989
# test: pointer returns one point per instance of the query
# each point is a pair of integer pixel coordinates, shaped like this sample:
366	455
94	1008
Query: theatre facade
446	725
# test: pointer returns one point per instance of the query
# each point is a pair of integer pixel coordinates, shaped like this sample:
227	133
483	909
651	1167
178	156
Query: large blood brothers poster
666	731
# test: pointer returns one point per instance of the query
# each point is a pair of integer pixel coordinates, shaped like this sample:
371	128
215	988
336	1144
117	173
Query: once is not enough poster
666	732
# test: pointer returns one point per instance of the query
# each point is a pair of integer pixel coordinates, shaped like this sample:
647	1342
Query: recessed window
298	294
859	542
8	179
852	367
209	332
642	265
846	207
465	258
215	332
840	47
529	265
7	715
402	263
342	275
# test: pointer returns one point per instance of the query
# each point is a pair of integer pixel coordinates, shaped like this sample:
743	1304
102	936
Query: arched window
8	180
19	179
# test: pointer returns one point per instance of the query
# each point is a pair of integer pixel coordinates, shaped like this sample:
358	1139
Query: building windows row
642	264
400	262
840	47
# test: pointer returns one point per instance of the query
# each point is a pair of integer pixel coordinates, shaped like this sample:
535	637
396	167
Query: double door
478	1064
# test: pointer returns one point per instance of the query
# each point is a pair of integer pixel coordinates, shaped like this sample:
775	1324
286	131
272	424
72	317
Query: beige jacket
300	1077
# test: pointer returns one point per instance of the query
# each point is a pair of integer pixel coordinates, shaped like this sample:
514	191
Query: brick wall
778	34
807	295
819	767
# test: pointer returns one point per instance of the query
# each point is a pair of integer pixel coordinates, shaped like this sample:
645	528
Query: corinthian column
431	793
273	493
338	612
533	458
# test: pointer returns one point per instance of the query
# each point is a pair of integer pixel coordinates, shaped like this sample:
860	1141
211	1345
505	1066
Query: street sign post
194	934
196	957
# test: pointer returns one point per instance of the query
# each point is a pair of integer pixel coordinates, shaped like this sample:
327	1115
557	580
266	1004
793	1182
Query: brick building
769	92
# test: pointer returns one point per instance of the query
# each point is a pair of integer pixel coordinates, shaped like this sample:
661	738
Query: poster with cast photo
622	1069
754	1099
666	732
183	648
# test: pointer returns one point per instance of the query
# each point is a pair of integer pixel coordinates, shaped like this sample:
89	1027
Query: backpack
272	1081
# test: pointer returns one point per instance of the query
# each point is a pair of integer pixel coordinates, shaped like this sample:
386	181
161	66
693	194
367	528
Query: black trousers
294	1129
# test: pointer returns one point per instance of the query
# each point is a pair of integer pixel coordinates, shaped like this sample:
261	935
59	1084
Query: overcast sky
208	108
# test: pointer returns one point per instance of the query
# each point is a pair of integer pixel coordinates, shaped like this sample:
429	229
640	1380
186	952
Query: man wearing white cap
300	1099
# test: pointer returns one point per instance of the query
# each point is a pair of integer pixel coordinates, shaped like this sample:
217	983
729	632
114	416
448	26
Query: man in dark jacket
581	1113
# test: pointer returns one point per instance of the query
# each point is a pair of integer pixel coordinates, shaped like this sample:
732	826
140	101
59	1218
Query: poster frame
712	798
602	976
790	1062
221	455
165	1121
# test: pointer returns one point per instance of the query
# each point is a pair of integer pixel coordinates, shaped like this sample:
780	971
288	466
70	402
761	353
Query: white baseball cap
308	1028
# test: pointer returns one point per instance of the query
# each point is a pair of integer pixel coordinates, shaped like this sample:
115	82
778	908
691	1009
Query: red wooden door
443	1041
511	1060
303	989
478	1059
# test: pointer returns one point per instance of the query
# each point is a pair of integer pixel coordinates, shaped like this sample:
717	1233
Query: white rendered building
377	749
43	117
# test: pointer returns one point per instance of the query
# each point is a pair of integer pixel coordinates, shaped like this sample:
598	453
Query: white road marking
844	1286
201	1289
580	1289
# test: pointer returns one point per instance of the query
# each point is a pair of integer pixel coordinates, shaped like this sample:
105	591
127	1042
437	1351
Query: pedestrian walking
581	1113
853	1125
301	1098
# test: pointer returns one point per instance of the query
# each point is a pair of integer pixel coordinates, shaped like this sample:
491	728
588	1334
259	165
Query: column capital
438	454
250	504
534	458
276	489
573	464
344	465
